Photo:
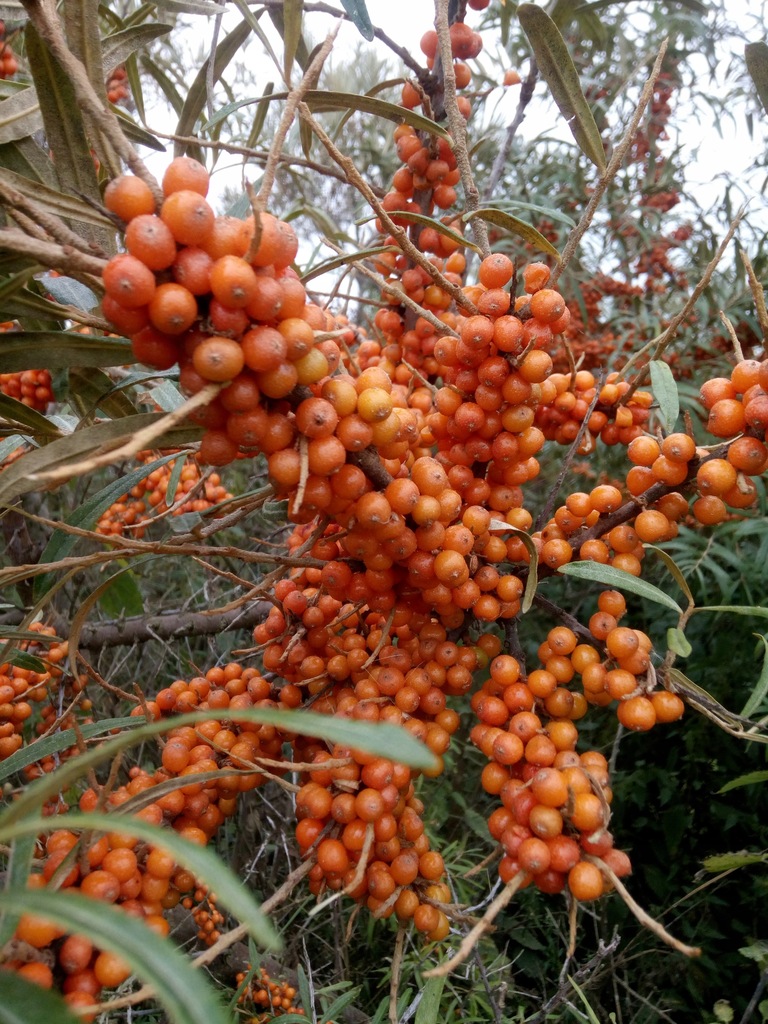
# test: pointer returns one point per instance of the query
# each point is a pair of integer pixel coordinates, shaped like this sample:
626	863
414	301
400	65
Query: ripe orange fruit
218	358
185	173
128	281
189	217
128	197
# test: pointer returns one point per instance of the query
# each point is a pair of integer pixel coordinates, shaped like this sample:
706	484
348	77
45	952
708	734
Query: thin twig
457	125
394	980
642	916
526	95
356	179
309	80
611	170
660	342
484	925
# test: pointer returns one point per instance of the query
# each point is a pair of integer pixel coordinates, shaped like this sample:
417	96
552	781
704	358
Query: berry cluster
117	85
194	492
9	65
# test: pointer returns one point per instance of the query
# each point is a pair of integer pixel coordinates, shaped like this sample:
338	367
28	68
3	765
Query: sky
708	149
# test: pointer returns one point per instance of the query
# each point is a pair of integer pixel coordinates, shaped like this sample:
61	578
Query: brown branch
357	180
54	256
457	124
526	95
53	225
141	628
484	925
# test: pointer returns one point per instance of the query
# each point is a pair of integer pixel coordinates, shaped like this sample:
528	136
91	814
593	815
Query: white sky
707	152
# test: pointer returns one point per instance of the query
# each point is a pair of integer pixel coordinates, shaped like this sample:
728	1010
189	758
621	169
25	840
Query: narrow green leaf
532	580
88	514
358	14
26	1003
29	160
292	15
201	861
428	1010
65	132
729	861
9	633
174	478
62	740
260	116
750	779
546	211
19	479
558	71
756	56
443	229
516	227
120	595
52	199
19	116
15	412
26	661
377	738
757	696
594	572
19	865
119	46
135	132
164	83
591	1016
341	261
674	571
92	389
678	642
320	101
664	389
183	992
26	350
71	292
306	137
188	6
737	609
197	95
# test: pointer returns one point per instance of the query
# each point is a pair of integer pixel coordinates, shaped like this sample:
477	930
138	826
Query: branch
141	628
526	95
457	125
53	255
611	170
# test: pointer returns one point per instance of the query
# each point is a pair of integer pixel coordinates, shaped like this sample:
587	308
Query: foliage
381	434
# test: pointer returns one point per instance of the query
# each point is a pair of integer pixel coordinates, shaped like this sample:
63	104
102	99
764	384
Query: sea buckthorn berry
151	241
495	271
128	281
189	217
678	447
185	173
129	197
535	276
218	359
637	713
585	881
715	476
668	706
547	305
